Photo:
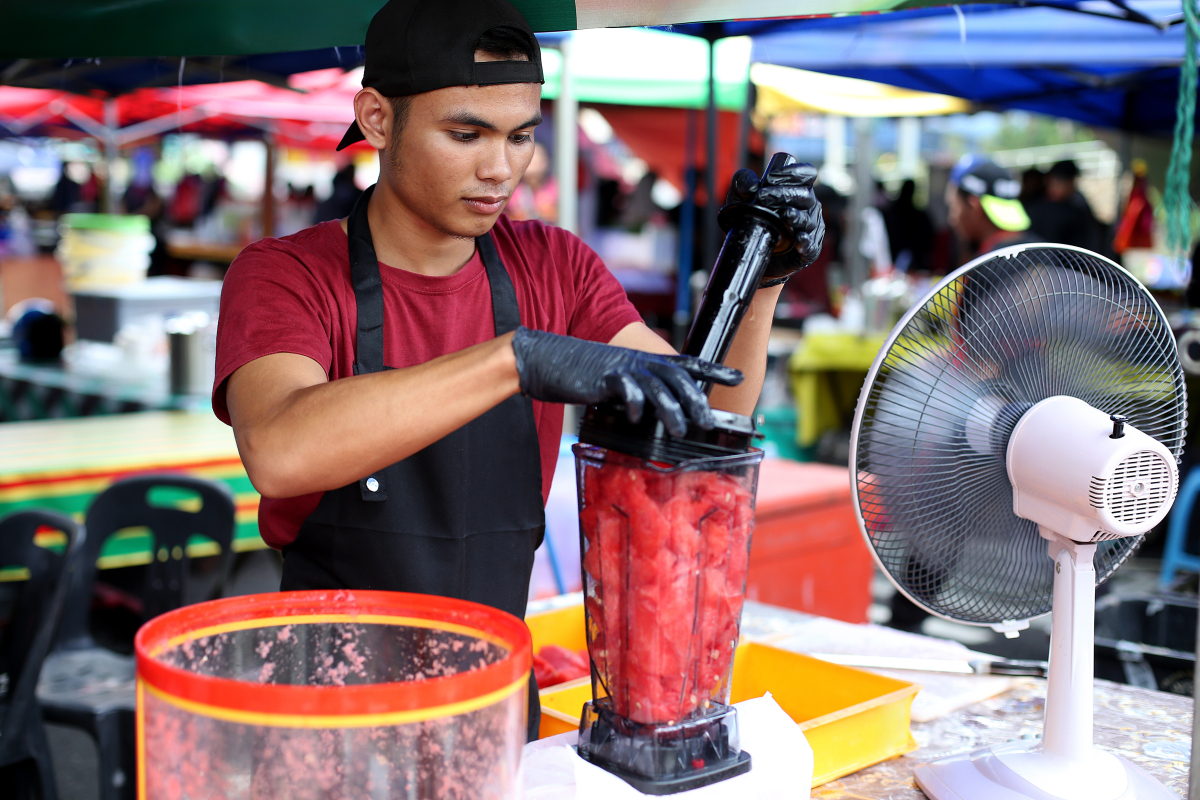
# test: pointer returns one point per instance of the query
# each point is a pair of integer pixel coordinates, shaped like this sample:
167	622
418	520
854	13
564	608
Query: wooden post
268	201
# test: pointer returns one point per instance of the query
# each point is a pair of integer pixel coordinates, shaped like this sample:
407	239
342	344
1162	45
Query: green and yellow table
63	464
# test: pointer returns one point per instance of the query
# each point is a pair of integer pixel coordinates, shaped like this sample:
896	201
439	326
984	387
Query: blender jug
665	554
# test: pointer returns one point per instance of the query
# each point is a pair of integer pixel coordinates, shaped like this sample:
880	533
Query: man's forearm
329	434
749	354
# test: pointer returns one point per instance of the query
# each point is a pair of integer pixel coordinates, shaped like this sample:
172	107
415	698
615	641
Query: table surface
63	464
68	447
1151	729
189	249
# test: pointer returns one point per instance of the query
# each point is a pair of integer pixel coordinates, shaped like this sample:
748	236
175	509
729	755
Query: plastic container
809	554
561	705
104	249
564	626
331	694
852	718
1147	640
665	555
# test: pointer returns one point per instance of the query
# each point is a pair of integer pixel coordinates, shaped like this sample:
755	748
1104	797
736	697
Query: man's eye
460	136
521	138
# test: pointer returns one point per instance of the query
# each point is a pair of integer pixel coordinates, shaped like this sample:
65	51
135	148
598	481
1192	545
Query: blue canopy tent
1102	71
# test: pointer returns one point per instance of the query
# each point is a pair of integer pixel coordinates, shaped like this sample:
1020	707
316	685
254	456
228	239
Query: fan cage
1002	333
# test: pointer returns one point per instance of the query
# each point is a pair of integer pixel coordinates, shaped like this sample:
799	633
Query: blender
665	525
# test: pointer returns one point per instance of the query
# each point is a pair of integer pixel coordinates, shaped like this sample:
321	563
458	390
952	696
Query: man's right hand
563	369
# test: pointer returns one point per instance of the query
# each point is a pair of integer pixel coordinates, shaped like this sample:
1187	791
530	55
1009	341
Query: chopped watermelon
665	560
553	664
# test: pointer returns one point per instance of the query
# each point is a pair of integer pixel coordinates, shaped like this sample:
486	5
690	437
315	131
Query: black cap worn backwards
416	46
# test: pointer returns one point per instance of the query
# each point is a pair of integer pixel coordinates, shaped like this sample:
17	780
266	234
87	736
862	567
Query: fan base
1021	771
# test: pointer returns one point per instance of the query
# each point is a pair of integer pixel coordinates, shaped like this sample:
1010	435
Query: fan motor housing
1072	477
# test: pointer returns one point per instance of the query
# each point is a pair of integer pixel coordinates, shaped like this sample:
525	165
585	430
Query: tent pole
864	192
833	171
909	146
566	143
743	140
1125	158
712	32
268	198
687	237
111	124
1193	777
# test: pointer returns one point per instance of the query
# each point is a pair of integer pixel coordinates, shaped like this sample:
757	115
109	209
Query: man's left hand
788	192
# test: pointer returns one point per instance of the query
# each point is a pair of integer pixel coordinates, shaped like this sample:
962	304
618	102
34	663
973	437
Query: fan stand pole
1068	727
1064	763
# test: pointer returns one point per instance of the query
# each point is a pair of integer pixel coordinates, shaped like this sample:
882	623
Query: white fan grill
1138	488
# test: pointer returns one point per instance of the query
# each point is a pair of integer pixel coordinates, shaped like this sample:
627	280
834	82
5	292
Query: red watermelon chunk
553	664
665	563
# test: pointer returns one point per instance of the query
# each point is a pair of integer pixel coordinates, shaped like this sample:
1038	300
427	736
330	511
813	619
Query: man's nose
496	166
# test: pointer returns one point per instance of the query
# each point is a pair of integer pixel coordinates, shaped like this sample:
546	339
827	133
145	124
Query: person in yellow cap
984	210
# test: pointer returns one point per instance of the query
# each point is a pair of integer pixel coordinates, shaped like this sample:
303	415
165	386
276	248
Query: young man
393	379
984	210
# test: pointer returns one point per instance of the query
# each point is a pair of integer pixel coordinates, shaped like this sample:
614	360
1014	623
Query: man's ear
976	206
374	115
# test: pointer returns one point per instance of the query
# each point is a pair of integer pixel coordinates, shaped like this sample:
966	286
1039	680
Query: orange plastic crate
852	718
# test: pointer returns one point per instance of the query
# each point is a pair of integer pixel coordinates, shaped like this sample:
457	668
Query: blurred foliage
1020	130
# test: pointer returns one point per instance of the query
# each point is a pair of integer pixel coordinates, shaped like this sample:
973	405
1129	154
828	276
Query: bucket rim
359	705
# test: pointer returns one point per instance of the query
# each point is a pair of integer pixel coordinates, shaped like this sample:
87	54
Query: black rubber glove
563	369
788	192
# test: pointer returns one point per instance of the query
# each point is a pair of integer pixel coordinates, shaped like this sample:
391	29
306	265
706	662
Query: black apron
460	518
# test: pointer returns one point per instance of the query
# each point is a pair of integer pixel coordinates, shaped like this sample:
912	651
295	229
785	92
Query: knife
999	666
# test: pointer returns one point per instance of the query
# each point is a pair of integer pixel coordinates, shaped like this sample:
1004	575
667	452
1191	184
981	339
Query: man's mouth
487	204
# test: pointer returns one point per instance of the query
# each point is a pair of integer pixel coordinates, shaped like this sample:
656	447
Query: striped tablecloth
63	464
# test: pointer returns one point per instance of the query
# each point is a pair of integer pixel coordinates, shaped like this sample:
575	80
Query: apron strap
504	297
368	289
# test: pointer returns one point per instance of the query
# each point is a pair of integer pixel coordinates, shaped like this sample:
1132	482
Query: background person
984	211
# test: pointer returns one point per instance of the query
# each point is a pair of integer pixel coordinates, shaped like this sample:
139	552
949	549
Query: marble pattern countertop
1151	729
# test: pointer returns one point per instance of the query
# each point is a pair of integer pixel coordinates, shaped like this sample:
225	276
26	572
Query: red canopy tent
308	119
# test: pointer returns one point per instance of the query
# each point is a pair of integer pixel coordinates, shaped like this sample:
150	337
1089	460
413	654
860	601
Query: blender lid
607	426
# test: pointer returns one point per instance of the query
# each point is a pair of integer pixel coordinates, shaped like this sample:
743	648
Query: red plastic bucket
329	695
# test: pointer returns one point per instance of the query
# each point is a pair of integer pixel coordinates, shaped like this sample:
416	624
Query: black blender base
662	786
661	759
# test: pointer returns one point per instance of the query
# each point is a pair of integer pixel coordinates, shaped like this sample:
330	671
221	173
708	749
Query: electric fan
1015	437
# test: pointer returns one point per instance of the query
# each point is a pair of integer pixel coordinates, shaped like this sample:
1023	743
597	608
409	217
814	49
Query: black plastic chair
33	604
90	687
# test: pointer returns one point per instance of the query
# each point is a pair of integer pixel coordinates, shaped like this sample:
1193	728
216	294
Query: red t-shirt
294	295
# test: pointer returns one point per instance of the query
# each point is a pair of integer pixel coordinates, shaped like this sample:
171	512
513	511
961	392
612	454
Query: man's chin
471	228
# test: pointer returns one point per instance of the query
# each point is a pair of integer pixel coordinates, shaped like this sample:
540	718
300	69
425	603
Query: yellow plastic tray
562	706
564	627
851	718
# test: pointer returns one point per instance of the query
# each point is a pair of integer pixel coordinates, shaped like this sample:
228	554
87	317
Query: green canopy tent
85	29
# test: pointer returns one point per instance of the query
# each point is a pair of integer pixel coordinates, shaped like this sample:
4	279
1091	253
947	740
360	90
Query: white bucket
104	249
